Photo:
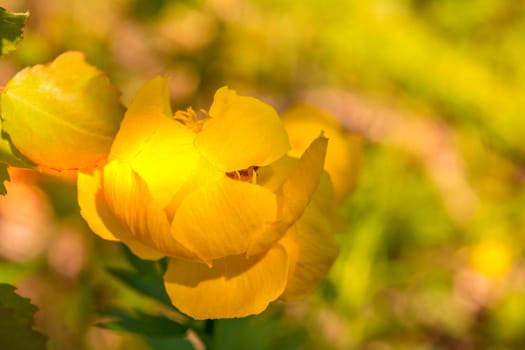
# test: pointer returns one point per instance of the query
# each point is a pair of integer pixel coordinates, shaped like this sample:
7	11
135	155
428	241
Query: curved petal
102	221
233	287
274	175
310	244
220	217
304	122
130	200
156	146
242	132
304	179
203	174
295	192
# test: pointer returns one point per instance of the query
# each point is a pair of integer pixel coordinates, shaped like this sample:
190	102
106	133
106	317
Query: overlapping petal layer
299	183
310	244
130	200
303	122
101	219
234	287
221	217
242	132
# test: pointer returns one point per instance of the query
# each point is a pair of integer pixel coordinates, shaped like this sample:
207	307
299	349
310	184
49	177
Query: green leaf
11	29
22	306
157	268
147	285
267	331
4	176
145	277
16	322
161	333
139	322
63	115
9	155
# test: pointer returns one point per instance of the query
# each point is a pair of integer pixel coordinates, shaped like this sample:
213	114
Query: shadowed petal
310	243
233	287
299	184
220	217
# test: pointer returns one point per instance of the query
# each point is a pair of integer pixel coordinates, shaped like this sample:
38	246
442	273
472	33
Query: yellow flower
62	115
220	197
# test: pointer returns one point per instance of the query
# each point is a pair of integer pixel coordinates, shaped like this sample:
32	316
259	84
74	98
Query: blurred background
433	240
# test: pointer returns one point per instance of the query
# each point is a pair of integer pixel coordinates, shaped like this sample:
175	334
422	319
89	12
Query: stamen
190	118
247	175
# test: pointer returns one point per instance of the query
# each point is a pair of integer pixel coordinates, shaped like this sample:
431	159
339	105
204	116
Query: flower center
247	175
191	119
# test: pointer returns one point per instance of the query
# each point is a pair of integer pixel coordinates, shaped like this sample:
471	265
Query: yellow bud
63	115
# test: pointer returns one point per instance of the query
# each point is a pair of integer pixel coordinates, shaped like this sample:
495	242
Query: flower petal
295	193
156	146
274	175
304	179
303	122
233	287
310	244
242	132
130	200
220	217
102	221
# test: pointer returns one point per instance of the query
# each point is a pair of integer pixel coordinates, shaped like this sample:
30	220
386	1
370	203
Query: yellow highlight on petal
155	145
